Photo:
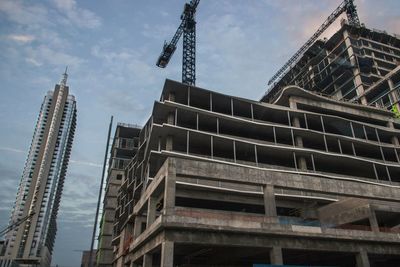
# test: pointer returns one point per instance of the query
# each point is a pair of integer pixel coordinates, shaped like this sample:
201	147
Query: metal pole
100	191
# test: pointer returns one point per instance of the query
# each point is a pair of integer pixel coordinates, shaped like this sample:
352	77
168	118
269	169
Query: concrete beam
298	182
305	241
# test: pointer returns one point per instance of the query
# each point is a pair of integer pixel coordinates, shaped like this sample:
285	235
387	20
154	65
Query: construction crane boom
352	16
188	29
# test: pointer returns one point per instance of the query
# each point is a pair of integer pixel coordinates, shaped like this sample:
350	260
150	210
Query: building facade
124	147
33	226
86	256
225	181
356	64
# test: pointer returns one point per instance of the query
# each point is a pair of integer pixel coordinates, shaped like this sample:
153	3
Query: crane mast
352	17
188	29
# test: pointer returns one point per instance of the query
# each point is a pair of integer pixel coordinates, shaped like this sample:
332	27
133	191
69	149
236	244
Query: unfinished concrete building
356	64
224	181
123	148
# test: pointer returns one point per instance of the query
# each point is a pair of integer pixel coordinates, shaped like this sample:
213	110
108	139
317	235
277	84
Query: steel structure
352	16
188	29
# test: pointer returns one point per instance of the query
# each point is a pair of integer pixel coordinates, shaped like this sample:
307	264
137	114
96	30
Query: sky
111	47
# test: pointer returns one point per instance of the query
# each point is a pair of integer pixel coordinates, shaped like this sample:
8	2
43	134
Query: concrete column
171	118
394	139
169	143
147	260
356	71
362	259
167	254
170	188
292	103
393	94
151	210
269	201
275	255
301	161
171	96
373	221
137	227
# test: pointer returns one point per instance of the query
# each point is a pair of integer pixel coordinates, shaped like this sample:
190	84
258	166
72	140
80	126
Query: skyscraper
32	227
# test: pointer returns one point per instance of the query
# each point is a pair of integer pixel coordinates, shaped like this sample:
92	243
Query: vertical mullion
255	154
305	119
187	142
197	121
234	151
312	161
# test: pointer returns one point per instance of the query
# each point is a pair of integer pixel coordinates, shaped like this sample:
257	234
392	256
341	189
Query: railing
126	143
379	102
118	163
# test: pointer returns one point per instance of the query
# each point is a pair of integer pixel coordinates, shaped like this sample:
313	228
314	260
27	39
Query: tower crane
352	17
188	29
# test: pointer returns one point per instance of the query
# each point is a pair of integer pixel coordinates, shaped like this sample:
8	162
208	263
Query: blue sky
111	47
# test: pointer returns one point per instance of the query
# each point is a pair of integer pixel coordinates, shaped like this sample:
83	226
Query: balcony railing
127	143
119	164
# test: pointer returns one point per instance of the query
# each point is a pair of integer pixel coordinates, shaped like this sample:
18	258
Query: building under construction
309	175
356	64
123	148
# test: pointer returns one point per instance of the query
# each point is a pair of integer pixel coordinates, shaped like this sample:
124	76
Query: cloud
10	149
21	38
124	68
20	13
78	16
45	55
85	163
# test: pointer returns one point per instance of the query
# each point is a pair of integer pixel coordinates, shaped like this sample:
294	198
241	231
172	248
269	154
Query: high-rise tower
33	226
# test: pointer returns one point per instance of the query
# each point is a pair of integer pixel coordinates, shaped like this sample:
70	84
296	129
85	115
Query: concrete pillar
393	94
137	227
356	71
269	201
171	118
169	143
170	188
292	103
151	210
171	96
373	221
275	255
362	259
394	139
301	161
167	254
147	260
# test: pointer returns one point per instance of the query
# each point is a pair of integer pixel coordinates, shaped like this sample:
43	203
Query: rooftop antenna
65	77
